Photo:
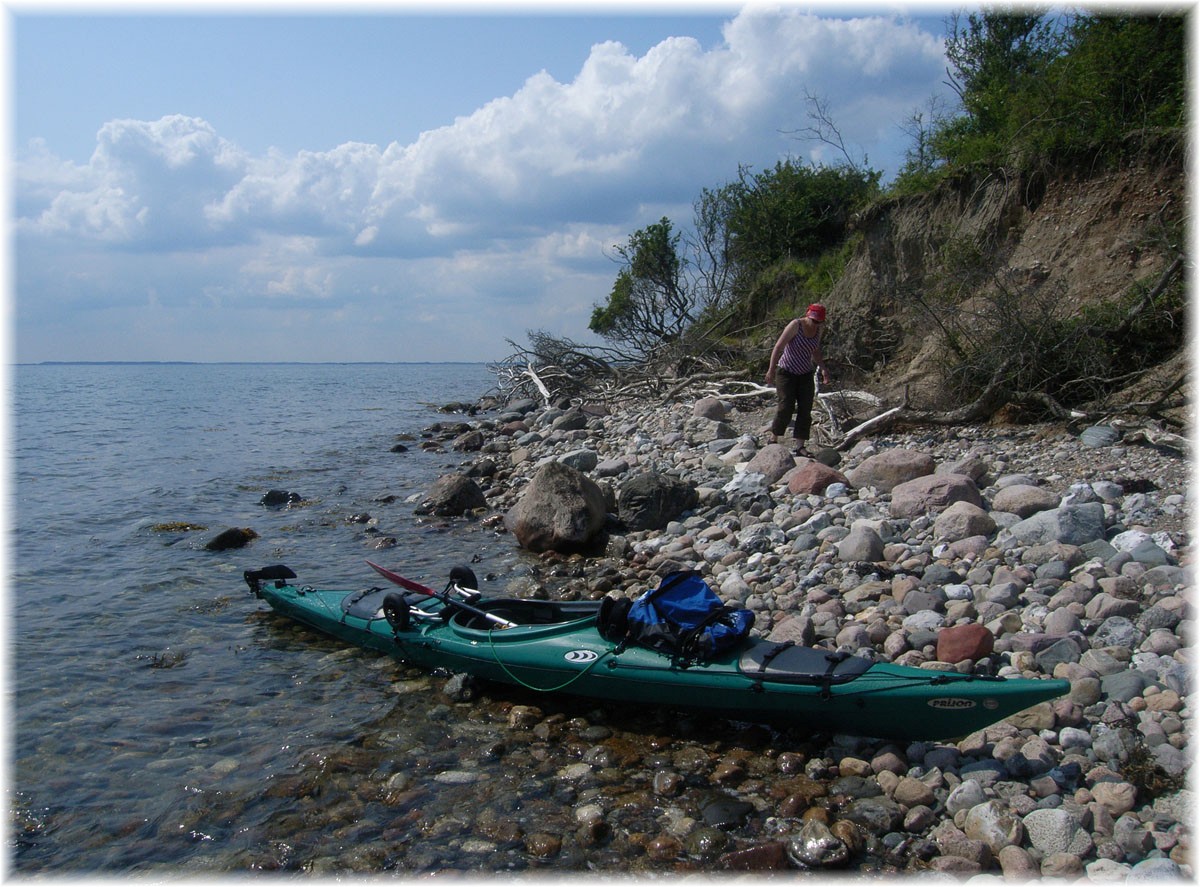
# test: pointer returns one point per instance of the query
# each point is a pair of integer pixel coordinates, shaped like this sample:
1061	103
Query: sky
400	183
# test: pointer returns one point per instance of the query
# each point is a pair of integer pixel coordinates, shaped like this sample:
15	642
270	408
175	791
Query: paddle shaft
418	588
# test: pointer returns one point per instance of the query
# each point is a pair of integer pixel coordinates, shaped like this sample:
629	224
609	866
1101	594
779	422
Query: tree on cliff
649	303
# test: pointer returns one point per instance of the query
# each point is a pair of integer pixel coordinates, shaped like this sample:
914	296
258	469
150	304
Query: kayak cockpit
524	612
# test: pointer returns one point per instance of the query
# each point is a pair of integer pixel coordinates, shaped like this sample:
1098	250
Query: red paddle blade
401	581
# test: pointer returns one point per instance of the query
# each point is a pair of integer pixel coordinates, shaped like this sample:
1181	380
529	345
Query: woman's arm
789	333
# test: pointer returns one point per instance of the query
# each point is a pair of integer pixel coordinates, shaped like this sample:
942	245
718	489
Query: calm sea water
157	709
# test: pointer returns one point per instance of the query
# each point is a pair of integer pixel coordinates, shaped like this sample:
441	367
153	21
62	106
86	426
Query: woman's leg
785	400
805	391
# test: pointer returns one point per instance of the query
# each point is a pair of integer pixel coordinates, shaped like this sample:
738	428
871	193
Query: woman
796	355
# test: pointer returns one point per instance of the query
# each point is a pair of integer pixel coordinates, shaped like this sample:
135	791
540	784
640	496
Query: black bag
682	618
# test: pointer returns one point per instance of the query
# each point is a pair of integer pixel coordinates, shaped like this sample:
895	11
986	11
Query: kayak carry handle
275	573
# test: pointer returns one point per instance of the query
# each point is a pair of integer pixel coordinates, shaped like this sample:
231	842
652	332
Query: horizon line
249	362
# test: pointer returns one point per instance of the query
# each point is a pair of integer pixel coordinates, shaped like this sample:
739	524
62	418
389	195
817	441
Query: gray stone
1167	577
926	619
995	825
878	815
1114	746
815	846
454	494
1116	631
917	600
1174	761
1098	548
1062	622
1151	555
863	544
1107	871
1070	524
611	468
1057	831
1100	436
965	796
648	501
1104	606
1155	870
1009	480
1124	685
709	408
580	460
561	510
1062	650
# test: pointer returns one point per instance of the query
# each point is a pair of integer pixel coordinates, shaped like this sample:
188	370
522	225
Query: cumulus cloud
533	186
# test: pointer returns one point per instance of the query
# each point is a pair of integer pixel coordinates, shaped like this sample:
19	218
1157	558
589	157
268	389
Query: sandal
802	450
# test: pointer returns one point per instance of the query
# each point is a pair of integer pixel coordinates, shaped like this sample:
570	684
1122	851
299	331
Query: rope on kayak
306	590
568	682
940	680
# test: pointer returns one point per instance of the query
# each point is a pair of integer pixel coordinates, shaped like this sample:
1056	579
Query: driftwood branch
879	423
728	376
1153	437
538	383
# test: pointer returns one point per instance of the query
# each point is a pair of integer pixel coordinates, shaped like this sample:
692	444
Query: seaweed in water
177	527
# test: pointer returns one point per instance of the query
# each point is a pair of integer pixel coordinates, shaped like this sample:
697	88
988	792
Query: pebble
1070	574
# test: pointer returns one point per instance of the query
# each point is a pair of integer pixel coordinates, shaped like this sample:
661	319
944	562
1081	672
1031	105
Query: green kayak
555	646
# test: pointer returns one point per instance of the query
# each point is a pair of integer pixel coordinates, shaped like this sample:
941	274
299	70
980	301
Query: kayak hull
760	682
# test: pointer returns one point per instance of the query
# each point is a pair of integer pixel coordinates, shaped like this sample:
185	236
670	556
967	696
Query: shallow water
162	717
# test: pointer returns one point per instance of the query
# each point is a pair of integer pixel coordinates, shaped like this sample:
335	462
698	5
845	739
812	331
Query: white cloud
507	206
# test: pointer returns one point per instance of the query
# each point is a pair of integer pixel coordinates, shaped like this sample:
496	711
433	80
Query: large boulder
963	520
650	501
967	641
814	477
1024	500
891	467
931	493
1071	524
561	510
773	461
709	408
452	495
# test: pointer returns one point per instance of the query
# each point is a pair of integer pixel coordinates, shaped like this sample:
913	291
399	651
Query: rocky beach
1009	550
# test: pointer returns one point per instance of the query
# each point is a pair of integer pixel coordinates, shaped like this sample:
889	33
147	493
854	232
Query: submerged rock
234	537
815	846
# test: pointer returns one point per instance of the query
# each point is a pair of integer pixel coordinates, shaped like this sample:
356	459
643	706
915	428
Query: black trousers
794	393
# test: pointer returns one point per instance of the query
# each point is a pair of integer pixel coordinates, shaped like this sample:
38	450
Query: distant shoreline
253	363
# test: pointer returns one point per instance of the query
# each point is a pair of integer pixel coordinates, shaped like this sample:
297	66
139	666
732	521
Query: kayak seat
527	612
788	663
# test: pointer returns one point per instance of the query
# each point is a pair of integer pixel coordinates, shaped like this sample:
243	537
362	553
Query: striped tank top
799	353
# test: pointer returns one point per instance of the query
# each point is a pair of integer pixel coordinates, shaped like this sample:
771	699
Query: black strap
833	660
670	581
770	655
690	641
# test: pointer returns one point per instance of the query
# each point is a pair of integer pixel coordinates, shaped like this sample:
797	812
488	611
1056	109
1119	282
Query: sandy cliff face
1080	238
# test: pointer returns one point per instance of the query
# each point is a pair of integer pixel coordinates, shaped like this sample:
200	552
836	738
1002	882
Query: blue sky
399	184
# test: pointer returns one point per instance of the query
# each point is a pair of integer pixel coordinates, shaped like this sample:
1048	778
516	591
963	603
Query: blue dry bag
683	617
